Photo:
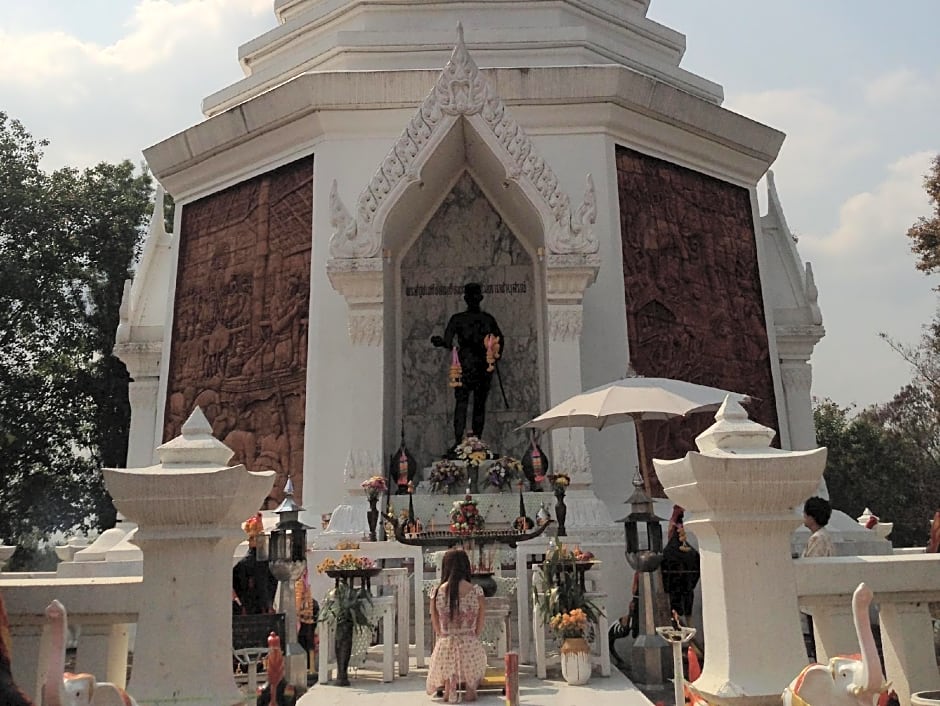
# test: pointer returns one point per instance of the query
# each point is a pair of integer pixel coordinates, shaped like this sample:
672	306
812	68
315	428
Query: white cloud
822	138
872	224
158	30
868	284
107	102
898	86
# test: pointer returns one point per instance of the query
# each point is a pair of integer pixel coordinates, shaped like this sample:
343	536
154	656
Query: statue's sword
502	390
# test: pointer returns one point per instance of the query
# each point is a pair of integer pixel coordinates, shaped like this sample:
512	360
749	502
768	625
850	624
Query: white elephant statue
845	681
63	688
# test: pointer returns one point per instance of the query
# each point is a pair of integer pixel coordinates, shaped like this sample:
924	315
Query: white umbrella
633	399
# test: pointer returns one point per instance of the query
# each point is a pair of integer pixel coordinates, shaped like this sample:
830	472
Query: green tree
67	242
925	233
874	462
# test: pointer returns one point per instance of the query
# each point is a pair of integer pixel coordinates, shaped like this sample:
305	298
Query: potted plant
375	487
347	608
570	628
566	610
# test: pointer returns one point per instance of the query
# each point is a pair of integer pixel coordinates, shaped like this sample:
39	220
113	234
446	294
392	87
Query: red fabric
934	545
695	669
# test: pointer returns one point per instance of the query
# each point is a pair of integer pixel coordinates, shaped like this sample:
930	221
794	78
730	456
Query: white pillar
567	277
906	630
797	378
143	365
189	511
740	496
361	282
795	346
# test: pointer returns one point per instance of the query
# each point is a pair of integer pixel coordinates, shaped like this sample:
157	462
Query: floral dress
458	653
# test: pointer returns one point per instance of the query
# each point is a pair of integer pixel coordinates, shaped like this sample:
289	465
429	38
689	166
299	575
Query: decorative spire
195	446
733	431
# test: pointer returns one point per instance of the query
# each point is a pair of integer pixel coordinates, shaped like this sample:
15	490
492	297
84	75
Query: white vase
575	660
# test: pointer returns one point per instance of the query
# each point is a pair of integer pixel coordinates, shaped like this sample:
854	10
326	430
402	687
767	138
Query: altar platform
367	689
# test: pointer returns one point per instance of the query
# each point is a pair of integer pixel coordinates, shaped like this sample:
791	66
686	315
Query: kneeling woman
457	615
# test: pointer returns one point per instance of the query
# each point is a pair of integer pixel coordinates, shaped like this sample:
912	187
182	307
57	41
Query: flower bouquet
503	471
465	517
375	487
473	451
559	482
570	624
347	562
444	475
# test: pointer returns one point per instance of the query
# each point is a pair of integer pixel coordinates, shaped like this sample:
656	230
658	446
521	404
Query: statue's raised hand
438	342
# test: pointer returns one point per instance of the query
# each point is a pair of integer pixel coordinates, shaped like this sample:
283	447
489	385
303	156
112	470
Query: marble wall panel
239	341
466	241
693	294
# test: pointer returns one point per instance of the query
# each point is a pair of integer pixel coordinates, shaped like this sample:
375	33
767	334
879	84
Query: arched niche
462	131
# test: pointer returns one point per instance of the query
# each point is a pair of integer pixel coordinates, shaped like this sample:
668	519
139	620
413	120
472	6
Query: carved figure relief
239	342
692	288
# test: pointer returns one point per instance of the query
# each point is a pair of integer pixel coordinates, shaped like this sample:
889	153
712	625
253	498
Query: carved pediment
463	93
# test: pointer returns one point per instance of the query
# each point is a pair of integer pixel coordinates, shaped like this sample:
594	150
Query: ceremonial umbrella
633	399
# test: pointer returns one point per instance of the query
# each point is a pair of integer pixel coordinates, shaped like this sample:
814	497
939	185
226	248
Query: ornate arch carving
461	92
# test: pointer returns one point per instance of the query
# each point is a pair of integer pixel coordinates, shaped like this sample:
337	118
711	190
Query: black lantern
644	550
288	541
287	554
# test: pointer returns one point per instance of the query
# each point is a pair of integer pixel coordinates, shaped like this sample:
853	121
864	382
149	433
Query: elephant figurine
846	681
62	688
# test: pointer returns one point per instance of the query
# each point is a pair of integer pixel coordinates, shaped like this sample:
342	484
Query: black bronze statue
476	337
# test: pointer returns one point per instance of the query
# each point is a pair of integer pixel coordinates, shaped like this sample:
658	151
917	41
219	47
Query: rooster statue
10	695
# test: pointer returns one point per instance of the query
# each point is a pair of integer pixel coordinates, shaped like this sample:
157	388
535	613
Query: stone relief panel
240	325
465	241
692	288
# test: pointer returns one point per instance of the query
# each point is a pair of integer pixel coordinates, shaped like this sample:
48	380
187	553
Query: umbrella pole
641	456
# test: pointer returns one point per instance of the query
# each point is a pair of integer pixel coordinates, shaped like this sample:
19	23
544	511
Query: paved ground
368	690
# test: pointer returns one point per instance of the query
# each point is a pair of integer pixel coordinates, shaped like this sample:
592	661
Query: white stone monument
189	510
741	494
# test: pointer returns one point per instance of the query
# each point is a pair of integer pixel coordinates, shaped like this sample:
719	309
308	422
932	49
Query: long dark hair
455	568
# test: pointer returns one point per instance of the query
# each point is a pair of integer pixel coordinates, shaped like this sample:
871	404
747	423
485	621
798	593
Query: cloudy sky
855	84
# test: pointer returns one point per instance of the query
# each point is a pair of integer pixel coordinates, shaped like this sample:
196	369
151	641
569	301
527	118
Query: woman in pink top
457	615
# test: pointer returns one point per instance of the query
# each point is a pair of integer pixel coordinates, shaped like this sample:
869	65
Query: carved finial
733	431
583	239
812	295
460	34
157	219
123	334
731	409
196	426
195	446
347	241
574	233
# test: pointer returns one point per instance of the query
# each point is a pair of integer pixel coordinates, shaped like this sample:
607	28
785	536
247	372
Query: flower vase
575	661
373	516
473	478
342	644
561	512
